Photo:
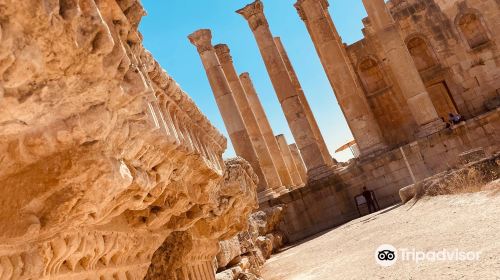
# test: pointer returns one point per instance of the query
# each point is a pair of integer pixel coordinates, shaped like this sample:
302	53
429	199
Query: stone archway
421	53
472	29
371	75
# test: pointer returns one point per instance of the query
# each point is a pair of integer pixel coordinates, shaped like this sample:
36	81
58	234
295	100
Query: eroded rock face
242	257
102	155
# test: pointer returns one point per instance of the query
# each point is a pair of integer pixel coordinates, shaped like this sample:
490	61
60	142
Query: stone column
403	67
259	144
266	129
290	163
341	75
299	162
295	80
287	94
228	108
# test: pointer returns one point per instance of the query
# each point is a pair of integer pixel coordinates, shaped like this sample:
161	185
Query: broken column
299	162
295	80
341	75
403	67
228	108
240	96
290	163
288	96
266	129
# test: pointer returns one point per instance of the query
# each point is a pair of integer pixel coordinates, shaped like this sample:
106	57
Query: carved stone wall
102	155
454	44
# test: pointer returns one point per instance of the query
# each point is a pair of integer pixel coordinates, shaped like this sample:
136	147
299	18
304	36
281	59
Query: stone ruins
108	170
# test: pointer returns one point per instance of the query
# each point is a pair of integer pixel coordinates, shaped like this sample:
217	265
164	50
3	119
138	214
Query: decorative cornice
202	39
223	53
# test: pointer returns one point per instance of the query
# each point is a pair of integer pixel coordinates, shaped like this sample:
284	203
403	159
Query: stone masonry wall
454	44
312	209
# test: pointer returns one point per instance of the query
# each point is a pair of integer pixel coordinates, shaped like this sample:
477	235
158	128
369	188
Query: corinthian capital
300	6
254	14
223	53
300	10
202	39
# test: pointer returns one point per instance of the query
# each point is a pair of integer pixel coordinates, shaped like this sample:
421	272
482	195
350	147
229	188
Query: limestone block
229	250
265	246
472	155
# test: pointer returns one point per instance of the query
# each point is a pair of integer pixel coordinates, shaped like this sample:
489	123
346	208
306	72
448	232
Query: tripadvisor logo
386	255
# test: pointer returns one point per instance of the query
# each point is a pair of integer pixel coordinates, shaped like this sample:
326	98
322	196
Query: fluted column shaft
259	144
287	94
290	163
299	162
403	67
228	108
310	116
266	129
341	75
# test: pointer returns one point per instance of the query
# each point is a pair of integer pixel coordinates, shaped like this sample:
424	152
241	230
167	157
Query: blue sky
168	23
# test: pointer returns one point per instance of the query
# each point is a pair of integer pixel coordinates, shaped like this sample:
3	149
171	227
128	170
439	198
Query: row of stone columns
403	67
348	91
233	120
267	130
277	163
341	75
243	105
246	121
298	114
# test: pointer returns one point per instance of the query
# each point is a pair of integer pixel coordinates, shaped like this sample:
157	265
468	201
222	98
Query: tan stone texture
235	125
253	129
459	78
299	162
103	156
290	162
266	129
404	69
347	89
310	116
291	104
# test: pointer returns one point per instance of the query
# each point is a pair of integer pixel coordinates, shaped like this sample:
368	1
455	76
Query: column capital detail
245	75
202	39
223	53
254	14
300	11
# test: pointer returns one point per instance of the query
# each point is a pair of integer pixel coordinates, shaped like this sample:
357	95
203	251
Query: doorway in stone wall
442	100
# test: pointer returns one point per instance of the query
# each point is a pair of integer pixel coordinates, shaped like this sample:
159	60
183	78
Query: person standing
369	200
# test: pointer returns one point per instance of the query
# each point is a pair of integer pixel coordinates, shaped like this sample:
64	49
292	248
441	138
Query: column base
281	190
379	147
292	188
430	128
319	173
266	195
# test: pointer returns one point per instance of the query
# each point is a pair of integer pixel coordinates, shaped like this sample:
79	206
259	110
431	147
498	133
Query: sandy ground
469	222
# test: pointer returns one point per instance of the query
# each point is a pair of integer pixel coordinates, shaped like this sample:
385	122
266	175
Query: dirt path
468	222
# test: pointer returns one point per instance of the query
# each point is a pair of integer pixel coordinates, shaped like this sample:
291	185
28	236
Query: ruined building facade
455	48
419	62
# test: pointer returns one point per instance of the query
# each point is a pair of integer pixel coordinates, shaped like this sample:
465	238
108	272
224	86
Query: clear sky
169	22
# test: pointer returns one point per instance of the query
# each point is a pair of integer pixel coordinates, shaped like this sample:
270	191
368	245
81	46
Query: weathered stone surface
103	156
295	112
229	250
254	246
